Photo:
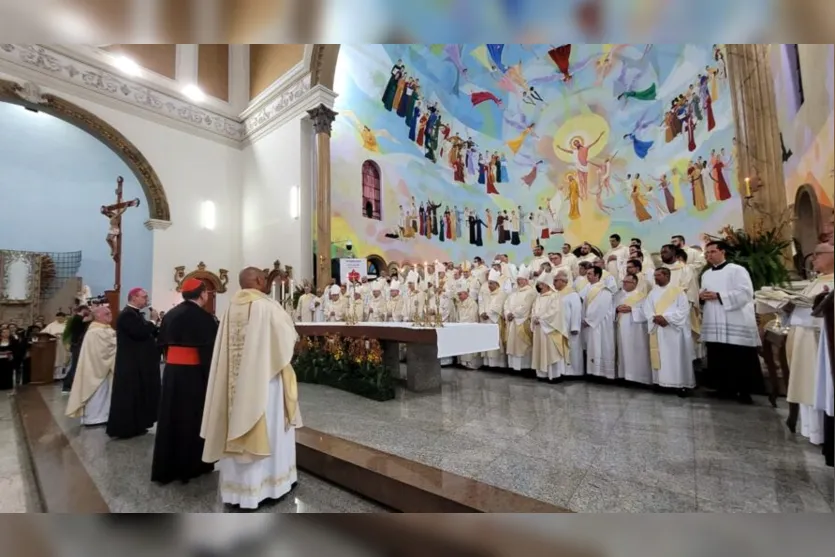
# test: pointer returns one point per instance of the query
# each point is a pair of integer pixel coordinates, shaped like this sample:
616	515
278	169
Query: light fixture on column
194	93
127	66
207	215
295	202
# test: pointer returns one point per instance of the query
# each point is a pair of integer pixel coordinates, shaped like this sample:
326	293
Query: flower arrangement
351	364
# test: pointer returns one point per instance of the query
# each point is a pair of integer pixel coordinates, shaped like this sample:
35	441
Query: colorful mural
451	151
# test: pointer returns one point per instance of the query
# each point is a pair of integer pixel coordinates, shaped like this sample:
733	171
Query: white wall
191	169
271	166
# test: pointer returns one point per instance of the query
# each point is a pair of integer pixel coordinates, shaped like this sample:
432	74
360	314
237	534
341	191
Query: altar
424	345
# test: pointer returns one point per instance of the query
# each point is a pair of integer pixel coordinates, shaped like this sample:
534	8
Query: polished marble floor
590	447
15	490
121	472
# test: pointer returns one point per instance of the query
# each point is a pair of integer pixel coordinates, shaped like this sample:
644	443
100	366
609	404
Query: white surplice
730	320
62	356
572	310
600	333
675	343
632	338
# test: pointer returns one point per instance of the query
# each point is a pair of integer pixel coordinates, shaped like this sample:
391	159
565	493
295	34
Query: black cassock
136	379
187	335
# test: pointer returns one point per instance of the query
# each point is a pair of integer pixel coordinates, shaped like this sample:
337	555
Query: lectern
42	354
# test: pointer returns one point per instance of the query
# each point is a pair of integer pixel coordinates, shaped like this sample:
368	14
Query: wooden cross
114	233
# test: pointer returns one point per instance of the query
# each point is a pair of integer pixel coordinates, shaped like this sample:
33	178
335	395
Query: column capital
157	224
322	118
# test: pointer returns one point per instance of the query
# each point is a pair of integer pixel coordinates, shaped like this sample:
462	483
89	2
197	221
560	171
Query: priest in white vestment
568	258
319	304
376	304
803	348
616	258
631	331
572	311
683	276
517	317
397	308
306	308
582	281
62	355
599	327
337	306
490	309
667	312
636	268
468	313
551	350
91	388
251	409
608	279
729	327
538	259
356	306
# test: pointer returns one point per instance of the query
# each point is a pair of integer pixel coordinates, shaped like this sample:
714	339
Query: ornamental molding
91	78
157	224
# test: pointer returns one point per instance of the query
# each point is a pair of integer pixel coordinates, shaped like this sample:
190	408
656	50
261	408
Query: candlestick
747	187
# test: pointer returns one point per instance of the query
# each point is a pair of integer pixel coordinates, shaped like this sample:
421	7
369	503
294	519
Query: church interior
148	167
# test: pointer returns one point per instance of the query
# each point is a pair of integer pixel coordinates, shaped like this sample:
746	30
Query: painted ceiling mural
451	151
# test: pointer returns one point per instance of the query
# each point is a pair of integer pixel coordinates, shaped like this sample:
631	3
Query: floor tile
602	493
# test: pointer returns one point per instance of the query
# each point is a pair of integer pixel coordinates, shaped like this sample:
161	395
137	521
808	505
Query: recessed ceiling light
194	93
127	65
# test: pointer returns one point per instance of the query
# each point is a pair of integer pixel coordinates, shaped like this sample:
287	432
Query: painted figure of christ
581	161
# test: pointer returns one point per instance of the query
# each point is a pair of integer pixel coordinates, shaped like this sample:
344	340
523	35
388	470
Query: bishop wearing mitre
356	305
599	330
337	306
551	351
572	310
306	307
803	343
517	310
376	304
667	311
467	313
251	408
490	309
90	394
415	298
631	332
397	308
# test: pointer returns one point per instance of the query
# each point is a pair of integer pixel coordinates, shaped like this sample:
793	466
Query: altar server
667	312
306	307
804	340
729	326
90	394
517	316
551	349
337	304
825	384
376	304
572	310
631	329
468	313
599	331
490	310
62	355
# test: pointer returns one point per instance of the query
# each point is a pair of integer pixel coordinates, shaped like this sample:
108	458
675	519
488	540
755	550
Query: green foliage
762	255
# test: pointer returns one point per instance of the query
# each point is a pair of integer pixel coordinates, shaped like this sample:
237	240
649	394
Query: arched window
371	191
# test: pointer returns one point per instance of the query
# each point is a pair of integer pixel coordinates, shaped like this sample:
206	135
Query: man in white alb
467	313
490	309
517	310
616	258
550	353
306	308
90	394
62	355
599	327
572	310
251	408
631	332
667	311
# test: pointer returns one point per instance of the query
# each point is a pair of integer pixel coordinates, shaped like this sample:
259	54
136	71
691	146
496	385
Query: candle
272	291
747	187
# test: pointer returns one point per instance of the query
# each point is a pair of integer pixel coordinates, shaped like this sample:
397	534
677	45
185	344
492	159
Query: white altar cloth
454	339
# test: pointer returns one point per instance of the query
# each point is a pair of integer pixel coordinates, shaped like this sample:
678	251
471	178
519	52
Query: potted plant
763	254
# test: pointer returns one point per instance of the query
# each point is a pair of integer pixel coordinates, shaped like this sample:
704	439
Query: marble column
322	118
758	137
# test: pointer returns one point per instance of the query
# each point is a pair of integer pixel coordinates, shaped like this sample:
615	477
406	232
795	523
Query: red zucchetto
191	285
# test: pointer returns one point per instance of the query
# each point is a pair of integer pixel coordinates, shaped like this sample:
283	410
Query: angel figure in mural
641	147
525	128
719	56
669	197
650	197
605	63
639	201
529	178
580	151
454	56
604	175
561	56
368	136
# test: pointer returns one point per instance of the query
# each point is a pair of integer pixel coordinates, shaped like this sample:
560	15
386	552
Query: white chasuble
617	267
356	309
671	347
397	309
600	332
376	308
468	313
251	409
731	319
632	338
90	394
493	304
305	310
572	310
551	351
517	310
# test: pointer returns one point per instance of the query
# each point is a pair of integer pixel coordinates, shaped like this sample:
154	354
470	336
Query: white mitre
546	278
461	286
412	277
335	290
524	272
395	285
494	276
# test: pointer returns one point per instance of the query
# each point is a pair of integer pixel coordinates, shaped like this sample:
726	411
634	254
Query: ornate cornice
157	224
274	107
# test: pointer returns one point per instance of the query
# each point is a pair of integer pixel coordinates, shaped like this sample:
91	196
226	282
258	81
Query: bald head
252	277
102	314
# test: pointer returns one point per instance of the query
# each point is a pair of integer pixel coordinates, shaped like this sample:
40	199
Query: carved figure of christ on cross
114	232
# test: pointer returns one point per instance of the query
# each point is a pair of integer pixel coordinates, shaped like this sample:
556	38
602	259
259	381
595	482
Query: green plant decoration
762	254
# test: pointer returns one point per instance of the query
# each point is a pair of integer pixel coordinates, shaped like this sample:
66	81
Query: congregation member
667	312
468	313
376	304
187	337
251	410
62	355
550	350
90	394
572	310
729	327
517	318
599	331
615	258
73	336
306	307
136	375
803	342
631	331
490	310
